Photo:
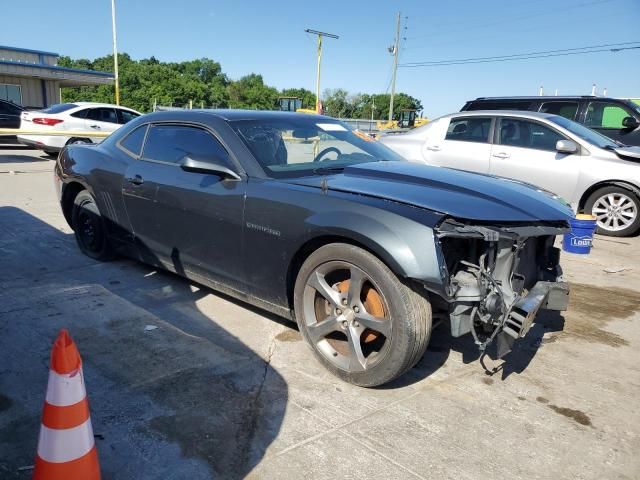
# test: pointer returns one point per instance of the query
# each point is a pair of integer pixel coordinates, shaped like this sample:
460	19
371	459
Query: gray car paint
243	237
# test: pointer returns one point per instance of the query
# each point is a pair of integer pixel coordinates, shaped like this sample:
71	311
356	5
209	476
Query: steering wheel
325	151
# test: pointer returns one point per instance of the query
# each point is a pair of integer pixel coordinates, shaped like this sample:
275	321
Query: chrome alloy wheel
615	211
346	316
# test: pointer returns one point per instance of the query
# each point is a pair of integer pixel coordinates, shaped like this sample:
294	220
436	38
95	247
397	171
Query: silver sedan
590	171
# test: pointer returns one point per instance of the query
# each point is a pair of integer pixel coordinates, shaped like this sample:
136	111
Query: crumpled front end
498	277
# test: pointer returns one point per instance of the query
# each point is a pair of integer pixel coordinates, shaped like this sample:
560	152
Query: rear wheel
616	209
363	324
89	228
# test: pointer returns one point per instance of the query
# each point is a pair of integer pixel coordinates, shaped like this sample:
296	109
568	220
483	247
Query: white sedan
592	172
81	117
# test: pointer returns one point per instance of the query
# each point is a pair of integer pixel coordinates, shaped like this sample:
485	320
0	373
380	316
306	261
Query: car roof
503	113
549	98
98	104
540	97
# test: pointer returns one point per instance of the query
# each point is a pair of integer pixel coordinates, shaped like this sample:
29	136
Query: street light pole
320	35
115	50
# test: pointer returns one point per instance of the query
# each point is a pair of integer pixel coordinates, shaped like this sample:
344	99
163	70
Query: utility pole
320	35
115	50
394	51
373	107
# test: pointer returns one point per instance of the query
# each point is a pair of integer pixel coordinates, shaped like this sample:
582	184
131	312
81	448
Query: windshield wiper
326	170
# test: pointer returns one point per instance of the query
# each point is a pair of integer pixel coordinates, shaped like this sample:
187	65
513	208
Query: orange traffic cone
66	448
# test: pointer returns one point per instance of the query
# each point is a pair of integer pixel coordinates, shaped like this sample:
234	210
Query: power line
529	53
617	47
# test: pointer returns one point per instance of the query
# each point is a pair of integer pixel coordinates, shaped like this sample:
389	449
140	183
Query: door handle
136	180
95	126
501	155
434	148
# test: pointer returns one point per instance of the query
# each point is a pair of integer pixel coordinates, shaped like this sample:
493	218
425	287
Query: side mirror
630	122
189	164
566	146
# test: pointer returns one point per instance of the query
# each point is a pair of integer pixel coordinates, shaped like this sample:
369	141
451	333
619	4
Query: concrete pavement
223	390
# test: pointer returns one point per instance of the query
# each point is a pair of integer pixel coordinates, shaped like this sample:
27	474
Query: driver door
189	222
526	150
606	118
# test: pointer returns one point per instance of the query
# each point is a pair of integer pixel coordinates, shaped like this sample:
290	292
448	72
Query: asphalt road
222	390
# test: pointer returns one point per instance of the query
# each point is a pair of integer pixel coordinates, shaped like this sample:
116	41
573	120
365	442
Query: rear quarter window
133	142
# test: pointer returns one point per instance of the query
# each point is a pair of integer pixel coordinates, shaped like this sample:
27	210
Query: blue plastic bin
579	239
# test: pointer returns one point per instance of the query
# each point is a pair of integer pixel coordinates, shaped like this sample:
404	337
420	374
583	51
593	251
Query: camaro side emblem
264	229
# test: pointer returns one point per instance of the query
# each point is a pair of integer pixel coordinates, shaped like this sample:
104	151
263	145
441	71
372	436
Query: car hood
459	194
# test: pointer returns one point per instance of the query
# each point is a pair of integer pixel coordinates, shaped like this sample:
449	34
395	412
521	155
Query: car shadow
516	361
160	373
16	155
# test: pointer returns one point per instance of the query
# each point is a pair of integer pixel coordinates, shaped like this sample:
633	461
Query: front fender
405	245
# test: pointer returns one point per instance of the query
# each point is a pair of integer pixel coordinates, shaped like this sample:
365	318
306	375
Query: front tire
617	211
89	228
363	324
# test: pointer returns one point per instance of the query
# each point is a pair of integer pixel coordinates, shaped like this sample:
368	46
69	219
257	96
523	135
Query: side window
526	134
606	115
9	109
469	129
103	115
564	109
125	116
171	143
133	141
81	113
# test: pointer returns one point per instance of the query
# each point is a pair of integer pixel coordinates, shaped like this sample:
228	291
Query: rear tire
89	227
363	324
617	210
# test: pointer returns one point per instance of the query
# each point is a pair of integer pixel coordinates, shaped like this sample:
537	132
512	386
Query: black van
616	118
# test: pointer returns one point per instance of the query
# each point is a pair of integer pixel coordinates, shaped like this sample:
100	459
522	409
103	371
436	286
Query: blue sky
268	37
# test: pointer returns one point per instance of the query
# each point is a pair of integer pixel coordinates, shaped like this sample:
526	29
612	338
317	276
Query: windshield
305	146
59	108
584	133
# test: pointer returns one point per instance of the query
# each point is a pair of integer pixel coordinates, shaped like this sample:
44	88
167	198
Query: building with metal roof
32	78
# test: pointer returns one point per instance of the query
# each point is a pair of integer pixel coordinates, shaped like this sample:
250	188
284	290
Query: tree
202	81
251	92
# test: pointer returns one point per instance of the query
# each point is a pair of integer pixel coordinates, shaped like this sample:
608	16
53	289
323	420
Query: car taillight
47	121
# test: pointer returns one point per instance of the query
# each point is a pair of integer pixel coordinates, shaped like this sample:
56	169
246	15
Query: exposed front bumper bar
543	295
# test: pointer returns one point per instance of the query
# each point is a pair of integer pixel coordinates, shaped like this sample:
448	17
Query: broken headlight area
497	278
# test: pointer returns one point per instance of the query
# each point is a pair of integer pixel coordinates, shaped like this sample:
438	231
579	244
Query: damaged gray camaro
304	217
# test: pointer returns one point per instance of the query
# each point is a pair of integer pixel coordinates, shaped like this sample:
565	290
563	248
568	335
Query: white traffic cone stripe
64	389
58	446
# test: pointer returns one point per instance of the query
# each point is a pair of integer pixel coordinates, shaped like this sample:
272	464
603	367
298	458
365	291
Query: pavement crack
254	406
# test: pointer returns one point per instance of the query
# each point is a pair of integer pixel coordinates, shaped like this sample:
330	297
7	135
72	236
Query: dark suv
9	118
616	118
